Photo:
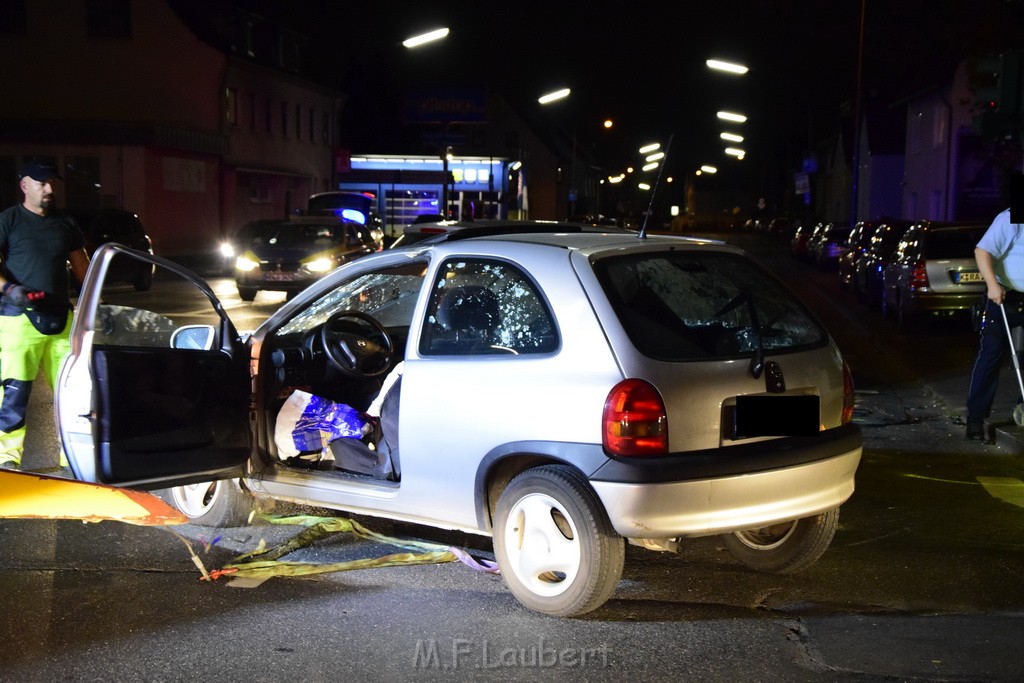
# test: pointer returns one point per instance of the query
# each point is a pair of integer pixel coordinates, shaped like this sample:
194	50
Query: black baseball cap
38	171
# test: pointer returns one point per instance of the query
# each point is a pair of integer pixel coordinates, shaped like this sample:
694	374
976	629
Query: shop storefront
409	186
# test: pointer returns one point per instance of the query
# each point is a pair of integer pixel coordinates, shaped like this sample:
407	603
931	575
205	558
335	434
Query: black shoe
976	430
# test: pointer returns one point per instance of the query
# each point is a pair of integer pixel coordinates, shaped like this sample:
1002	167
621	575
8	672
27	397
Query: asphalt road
924	580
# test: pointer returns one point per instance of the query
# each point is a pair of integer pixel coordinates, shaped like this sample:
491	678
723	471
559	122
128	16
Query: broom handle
1013	351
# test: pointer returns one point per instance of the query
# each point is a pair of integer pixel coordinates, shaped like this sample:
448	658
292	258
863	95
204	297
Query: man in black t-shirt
36	245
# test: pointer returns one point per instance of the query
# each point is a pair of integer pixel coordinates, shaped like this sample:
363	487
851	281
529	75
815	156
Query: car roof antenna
650	206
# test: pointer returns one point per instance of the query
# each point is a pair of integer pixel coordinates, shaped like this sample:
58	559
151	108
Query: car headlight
320	265
245	263
227	250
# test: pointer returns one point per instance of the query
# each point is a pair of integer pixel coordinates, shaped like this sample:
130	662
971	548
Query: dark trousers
992	353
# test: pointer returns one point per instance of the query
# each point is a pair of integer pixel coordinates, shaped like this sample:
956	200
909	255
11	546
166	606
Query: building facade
197	128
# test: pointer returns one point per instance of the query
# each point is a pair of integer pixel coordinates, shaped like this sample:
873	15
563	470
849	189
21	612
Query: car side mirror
194	337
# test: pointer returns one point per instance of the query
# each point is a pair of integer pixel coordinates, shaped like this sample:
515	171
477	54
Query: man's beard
46	202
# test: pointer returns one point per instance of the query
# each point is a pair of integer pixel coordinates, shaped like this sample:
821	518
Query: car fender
504	462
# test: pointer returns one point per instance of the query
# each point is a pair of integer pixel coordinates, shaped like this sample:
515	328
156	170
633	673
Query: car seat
468	317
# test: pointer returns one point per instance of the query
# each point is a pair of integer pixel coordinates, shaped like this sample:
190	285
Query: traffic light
987	84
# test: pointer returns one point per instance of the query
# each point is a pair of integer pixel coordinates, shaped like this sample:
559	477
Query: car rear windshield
958	243
684	306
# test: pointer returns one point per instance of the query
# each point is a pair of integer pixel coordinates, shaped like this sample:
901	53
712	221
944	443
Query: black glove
21	297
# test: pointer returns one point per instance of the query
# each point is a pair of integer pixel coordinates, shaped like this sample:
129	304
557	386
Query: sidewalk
1000	427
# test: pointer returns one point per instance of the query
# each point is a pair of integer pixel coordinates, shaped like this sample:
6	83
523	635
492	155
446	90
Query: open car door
155	392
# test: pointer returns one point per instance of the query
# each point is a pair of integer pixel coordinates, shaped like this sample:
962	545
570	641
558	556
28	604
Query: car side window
486	307
128	318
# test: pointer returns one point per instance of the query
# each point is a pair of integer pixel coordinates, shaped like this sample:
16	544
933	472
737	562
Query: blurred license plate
777	416
277	277
967	276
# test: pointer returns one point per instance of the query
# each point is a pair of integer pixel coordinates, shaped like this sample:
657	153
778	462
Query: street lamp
739	69
731	116
424	38
362	117
555	96
728	67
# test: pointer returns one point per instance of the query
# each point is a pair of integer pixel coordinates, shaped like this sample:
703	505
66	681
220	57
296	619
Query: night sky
642	63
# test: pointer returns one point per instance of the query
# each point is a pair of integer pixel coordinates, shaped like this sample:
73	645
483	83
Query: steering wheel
356	344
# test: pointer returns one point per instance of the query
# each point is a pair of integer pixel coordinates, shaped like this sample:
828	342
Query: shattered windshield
388	295
681	306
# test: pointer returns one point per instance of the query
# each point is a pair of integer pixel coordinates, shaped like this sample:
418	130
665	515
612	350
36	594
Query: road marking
1005	488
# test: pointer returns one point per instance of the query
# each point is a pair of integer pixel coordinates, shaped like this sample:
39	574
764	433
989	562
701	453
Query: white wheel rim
540	554
767	538
195	500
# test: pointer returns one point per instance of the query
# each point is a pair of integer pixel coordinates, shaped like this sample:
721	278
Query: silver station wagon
563	389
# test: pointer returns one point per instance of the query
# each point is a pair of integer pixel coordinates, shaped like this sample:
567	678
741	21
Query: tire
555	547
247	293
212	503
786	547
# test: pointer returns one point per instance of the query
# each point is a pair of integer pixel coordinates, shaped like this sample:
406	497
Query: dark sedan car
826	247
116	225
290	255
856	243
879	252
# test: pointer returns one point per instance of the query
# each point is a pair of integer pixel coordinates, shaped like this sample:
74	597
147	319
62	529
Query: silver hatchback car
565	391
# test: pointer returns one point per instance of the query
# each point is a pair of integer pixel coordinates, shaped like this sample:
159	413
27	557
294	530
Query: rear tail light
848	397
634	423
918	276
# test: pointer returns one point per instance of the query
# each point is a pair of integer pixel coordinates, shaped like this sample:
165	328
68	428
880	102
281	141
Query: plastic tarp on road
25	495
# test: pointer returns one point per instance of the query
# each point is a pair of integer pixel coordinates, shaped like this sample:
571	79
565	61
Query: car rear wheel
786	547
247	293
212	503
554	544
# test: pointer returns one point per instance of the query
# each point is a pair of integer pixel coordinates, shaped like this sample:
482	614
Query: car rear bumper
730	502
936	301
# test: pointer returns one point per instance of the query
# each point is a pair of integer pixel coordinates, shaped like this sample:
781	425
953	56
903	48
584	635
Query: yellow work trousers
23	350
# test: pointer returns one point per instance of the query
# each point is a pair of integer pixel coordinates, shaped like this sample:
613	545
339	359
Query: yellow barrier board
24	495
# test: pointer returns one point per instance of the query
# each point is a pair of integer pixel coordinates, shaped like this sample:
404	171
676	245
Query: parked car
784	227
933	271
877	255
286	256
856	245
798	243
563	389
827	247
115	225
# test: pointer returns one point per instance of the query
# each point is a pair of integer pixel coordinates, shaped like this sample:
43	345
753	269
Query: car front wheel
247	293
785	547
555	547
212	503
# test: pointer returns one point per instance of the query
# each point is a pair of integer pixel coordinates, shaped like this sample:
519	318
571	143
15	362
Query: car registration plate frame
967	277
760	415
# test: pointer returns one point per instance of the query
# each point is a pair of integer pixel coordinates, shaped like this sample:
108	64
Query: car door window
486	307
127	317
